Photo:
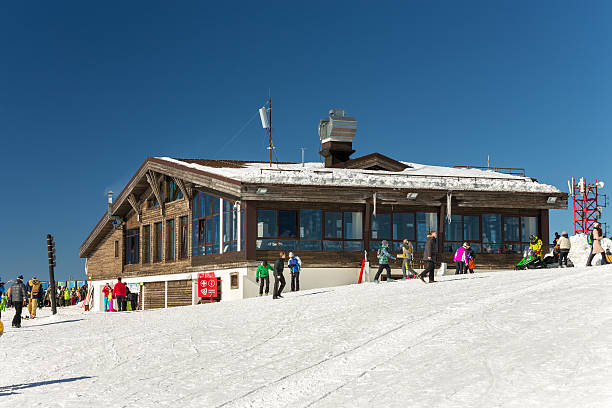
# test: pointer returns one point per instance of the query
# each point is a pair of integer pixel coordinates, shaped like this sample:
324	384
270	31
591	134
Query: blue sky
88	91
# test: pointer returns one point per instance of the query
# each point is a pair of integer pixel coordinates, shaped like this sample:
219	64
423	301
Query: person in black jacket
429	256
279	265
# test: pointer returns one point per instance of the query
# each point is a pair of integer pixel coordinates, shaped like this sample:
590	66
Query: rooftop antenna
488	161
303	148
265	113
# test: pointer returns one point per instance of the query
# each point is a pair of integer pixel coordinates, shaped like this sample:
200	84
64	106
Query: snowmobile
530	261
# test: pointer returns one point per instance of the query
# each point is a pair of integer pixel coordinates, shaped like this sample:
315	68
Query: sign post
207	285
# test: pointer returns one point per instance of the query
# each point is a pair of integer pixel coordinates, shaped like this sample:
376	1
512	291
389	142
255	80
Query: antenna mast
270	127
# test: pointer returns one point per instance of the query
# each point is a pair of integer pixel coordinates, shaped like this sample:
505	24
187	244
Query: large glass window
310	230
146	244
454	230
174	192
511	229
205	225
266	223
170	240
381	226
529	226
132	246
287	224
333	225
403	226
158	242
471	228
491	228
183	237
353	225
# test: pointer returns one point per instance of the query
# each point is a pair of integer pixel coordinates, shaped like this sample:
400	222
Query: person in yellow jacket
536	246
35	287
67	296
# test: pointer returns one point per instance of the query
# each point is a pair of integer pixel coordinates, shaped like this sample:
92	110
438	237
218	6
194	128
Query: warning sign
207	284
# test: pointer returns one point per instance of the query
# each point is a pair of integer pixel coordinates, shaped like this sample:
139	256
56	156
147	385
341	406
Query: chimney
109	194
337	135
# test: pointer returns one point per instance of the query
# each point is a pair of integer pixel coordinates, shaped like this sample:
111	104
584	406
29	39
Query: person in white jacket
565	245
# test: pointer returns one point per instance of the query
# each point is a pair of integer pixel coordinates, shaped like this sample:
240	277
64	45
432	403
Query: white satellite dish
600	184
263	114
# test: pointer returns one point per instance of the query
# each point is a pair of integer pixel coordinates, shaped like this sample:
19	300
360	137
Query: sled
609	257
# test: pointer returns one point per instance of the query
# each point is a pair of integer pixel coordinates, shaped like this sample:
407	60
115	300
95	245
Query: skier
597	248
383	261
564	247
408	252
35	286
461	259
295	265
279	279
18	294
263	273
120	292
429	256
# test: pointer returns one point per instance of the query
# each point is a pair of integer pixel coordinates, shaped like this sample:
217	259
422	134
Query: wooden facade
145	204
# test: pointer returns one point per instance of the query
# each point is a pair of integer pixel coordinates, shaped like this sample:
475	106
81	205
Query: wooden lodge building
177	218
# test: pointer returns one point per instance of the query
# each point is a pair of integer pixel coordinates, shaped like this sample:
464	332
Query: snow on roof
417	176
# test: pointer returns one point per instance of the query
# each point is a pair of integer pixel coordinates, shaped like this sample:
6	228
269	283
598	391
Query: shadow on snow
10	389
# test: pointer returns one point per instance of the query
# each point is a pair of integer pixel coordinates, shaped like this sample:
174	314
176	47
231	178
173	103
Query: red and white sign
207	284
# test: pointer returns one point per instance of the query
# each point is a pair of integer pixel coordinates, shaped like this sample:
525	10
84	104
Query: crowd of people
119	296
33	296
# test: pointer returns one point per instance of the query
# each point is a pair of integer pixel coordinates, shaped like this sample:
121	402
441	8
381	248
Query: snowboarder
461	258
18	295
263	273
383	261
597	235
35	287
279	279
564	247
295	265
429	256
408	253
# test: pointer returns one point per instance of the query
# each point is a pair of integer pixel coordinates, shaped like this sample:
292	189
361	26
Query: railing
505	170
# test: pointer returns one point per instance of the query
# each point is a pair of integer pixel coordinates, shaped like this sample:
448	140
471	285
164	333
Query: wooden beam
135	205
154	183
179	182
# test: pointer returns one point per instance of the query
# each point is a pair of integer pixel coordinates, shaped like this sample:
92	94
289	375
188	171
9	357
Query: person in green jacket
67	297
263	273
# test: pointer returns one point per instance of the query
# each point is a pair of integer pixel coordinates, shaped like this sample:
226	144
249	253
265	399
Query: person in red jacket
119	291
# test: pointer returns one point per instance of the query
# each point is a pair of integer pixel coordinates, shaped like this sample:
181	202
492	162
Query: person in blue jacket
294	266
383	261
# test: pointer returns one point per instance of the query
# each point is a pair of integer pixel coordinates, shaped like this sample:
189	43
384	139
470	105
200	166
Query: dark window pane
310	245
287	244
333	225
454	230
310	224
491	229
381	226
511	229
353	225
287	224
266	223
471	228
353	245
426	222
403	226
332	245
529	227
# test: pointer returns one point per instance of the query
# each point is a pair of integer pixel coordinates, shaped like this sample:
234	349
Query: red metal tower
586	206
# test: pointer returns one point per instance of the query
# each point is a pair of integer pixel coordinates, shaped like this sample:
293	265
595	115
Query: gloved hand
256	280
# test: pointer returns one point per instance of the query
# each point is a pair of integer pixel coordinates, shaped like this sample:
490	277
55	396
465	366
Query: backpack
590	238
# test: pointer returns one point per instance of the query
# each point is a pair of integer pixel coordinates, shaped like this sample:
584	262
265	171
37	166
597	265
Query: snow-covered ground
511	339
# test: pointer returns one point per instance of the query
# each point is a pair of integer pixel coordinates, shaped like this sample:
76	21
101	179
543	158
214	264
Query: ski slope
503	339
